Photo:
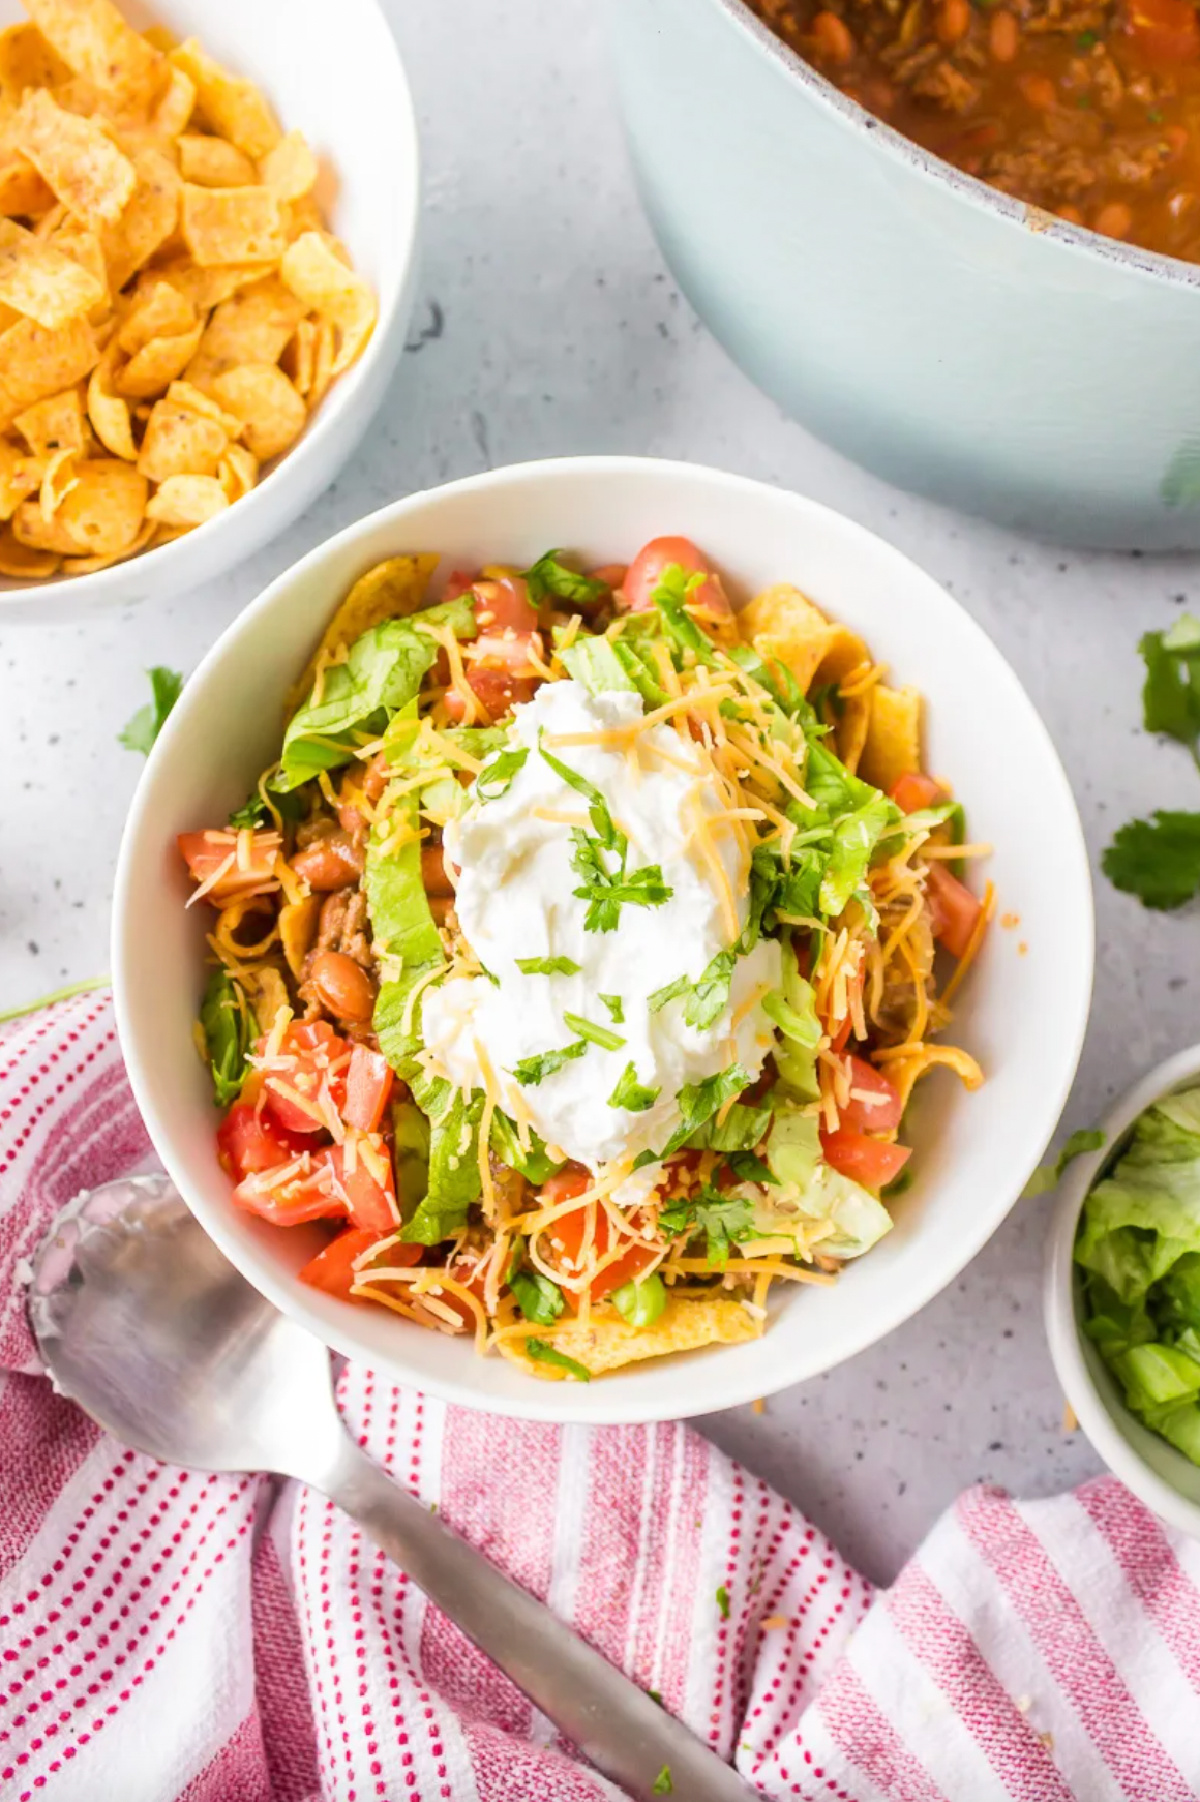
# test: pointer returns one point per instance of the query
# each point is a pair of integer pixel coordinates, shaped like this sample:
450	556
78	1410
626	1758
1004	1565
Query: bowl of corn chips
208	221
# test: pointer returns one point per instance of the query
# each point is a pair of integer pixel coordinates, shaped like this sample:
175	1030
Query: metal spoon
143	1322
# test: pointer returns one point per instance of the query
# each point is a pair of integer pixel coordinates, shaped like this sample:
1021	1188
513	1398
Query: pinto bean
330	862
433	871
344	987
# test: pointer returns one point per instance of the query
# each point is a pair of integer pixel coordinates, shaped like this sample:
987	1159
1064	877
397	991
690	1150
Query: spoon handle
616	1725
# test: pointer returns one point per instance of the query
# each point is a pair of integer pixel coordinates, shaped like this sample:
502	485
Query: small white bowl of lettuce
1123	1291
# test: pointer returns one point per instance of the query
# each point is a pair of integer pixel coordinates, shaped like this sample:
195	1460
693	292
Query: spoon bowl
147	1326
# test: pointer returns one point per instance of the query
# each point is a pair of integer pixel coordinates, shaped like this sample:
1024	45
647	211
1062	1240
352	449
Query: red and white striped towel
165	1634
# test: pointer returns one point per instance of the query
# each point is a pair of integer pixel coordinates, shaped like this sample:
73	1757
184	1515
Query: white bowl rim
169	561
1062	1323
1017	212
556	1403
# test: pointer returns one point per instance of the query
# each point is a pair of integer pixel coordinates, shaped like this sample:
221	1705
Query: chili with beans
1088	110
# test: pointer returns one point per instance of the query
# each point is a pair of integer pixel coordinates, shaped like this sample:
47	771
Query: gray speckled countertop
547	324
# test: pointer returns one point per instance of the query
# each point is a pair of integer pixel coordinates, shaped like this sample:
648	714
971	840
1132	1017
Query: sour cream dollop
515	900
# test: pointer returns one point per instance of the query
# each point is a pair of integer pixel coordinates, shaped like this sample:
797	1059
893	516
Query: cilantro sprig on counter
1158	859
140	732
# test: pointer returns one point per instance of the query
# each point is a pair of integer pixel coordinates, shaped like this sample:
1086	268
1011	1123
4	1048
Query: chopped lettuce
381	674
1139	1247
401	922
792	1009
454	1181
410	1156
594	663
811	1191
225	1023
535	1165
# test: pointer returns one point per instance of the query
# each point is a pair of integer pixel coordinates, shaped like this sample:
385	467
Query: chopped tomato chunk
642	576
872	1162
251	857
954	909
913	792
333	1269
565	1238
289	1194
362	1172
874	1105
368	1088
248	1141
496	690
310	1065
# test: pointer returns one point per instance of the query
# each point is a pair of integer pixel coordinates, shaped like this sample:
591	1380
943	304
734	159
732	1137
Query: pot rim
1020	213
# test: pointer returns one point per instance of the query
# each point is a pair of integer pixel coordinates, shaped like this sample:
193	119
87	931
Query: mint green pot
943	335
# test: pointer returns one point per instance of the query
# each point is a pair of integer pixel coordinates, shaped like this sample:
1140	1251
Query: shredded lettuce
595	664
1139	1247
381	674
641	1302
225	1022
792	1009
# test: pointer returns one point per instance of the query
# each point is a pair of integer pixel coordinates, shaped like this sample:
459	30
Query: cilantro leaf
699	1101
538	1298
662	1785
608	893
610	836
630	1093
496	776
596	1035
1158	859
529	1071
542	1353
548	966
616	1008
1171	692
669	992
723	1602
721	1218
140	732
550	577
749	1168
710	992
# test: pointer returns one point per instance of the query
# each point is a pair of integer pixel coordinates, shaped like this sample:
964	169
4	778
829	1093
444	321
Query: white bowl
1158	1475
1022	1016
335	74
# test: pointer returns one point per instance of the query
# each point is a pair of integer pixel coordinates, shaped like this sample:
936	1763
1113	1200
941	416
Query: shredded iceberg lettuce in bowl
1123	1291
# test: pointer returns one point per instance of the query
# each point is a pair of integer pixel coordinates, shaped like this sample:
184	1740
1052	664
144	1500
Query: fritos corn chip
173	305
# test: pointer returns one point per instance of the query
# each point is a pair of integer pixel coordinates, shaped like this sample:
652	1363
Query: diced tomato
912	792
458	582
290	1194
954	909
872	1162
642	576
333	1269
881	1113
1166	31
368	1087
311	1055
504	606
497	692
565	1237
248	1141
362	1169
205	852
611	574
